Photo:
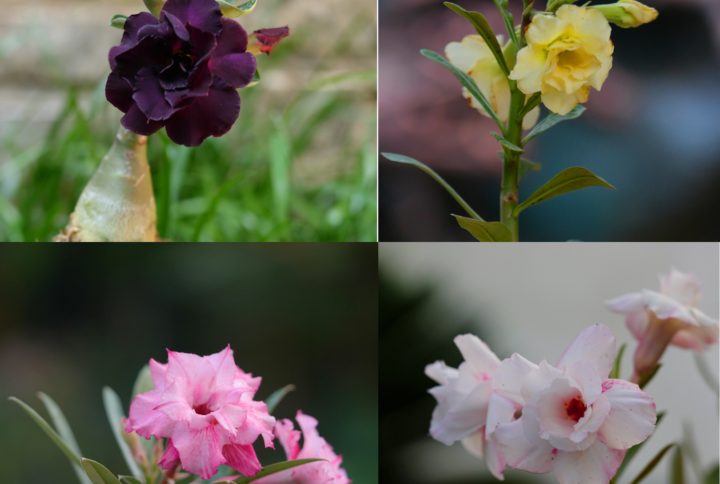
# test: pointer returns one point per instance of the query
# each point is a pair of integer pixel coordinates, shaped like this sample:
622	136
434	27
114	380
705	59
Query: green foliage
615	372
274	468
231	11
651	465
438	178
143	382
485	231
551	120
566	181
677	470
646	376
276	396
118	21
98	473
115	414
506	144
502	5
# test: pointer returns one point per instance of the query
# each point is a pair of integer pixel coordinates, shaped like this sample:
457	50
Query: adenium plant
195	419
577	419
553	56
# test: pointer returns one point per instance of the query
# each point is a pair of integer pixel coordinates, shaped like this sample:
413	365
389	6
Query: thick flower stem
117	204
511	165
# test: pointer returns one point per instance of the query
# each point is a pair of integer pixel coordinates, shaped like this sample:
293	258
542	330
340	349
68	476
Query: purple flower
180	71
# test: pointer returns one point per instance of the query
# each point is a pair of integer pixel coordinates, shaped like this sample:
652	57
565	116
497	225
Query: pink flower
205	407
314	447
463	398
668	317
575	422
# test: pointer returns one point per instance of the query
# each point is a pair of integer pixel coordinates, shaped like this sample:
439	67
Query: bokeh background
299	164
652	132
532	299
73	321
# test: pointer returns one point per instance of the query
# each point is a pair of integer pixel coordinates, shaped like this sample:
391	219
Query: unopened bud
627	13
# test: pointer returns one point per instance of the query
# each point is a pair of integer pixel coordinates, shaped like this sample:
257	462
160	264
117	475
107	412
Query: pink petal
157	373
196	371
683	288
477	354
539	379
289	438
146	421
508	378
441	373
545	414
258	422
585	430
230	417
224	365
519	452
174	401
246	379
170	458
637	323
596	465
242	458
200	450
632	415
494	459
696	338
595	344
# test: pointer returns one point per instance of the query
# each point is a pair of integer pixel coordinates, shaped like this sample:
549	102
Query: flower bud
627	13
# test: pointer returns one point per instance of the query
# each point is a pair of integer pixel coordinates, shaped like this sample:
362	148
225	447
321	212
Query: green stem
511	166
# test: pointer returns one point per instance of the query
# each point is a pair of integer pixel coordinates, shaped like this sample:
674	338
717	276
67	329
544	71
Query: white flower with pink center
570	419
205	407
657	319
463	401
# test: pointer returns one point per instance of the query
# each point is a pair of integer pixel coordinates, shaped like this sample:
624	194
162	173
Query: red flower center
575	409
202	409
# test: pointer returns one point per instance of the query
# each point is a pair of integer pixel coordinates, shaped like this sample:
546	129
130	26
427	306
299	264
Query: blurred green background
73	321
298	165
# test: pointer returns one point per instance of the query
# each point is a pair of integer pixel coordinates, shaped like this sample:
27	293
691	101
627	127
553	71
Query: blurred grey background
532	299
74	319
652	132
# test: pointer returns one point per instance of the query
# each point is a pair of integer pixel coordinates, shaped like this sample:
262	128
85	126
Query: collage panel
549	363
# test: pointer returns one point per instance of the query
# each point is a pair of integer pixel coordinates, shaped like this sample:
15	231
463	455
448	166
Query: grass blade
276	396
651	465
113	408
615	372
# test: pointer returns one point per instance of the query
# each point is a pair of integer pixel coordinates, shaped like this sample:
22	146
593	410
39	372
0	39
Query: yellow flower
565	56
627	13
474	57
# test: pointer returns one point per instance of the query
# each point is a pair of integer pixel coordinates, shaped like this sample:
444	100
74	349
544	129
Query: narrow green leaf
274	468
143	382
645	377
551	120
506	144
712	476
63	428
634	450
553	5
483	29
615	372
219	195
115	414
255	80
466	81
566	181
232	11
530	104
154	6
502	5
651	465
438	178
276	396
98	473
118	21
48	430
677	470
485	231
128	480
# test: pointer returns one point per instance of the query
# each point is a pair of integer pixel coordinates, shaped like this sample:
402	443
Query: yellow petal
589	26
530	68
531	118
561	102
545	29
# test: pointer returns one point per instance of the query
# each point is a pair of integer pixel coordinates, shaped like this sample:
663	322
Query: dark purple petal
203	44
232	40
162	30
212	115
177	26
119	92
130	39
138	123
173	77
199	83
236	69
202	14
150	97
149	52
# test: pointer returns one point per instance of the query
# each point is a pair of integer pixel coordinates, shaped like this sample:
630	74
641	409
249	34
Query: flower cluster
570	419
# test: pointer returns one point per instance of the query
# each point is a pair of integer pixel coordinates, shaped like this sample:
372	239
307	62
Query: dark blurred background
652	132
73	320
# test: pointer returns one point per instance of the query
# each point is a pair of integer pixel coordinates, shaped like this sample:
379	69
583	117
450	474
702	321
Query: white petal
632	415
567	445
519	452
666	307
586	376
494	458
475	442
696	338
440	372
478	355
539	379
452	423
595	344
546	413
509	376
500	410
683	288
627	303
637	323
596	465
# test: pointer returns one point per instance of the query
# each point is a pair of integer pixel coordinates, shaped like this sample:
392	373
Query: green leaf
506	144
646	376
438	178
114	411
232	11
551	120
485	231
274	468
525	165
615	372
276	396
128	480
651	465
98	473
48	430
466	81
63	428
677	471
634	450
712	476
118	21
531	103
508	19
553	5
483	29
143	382
566	181
154	6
